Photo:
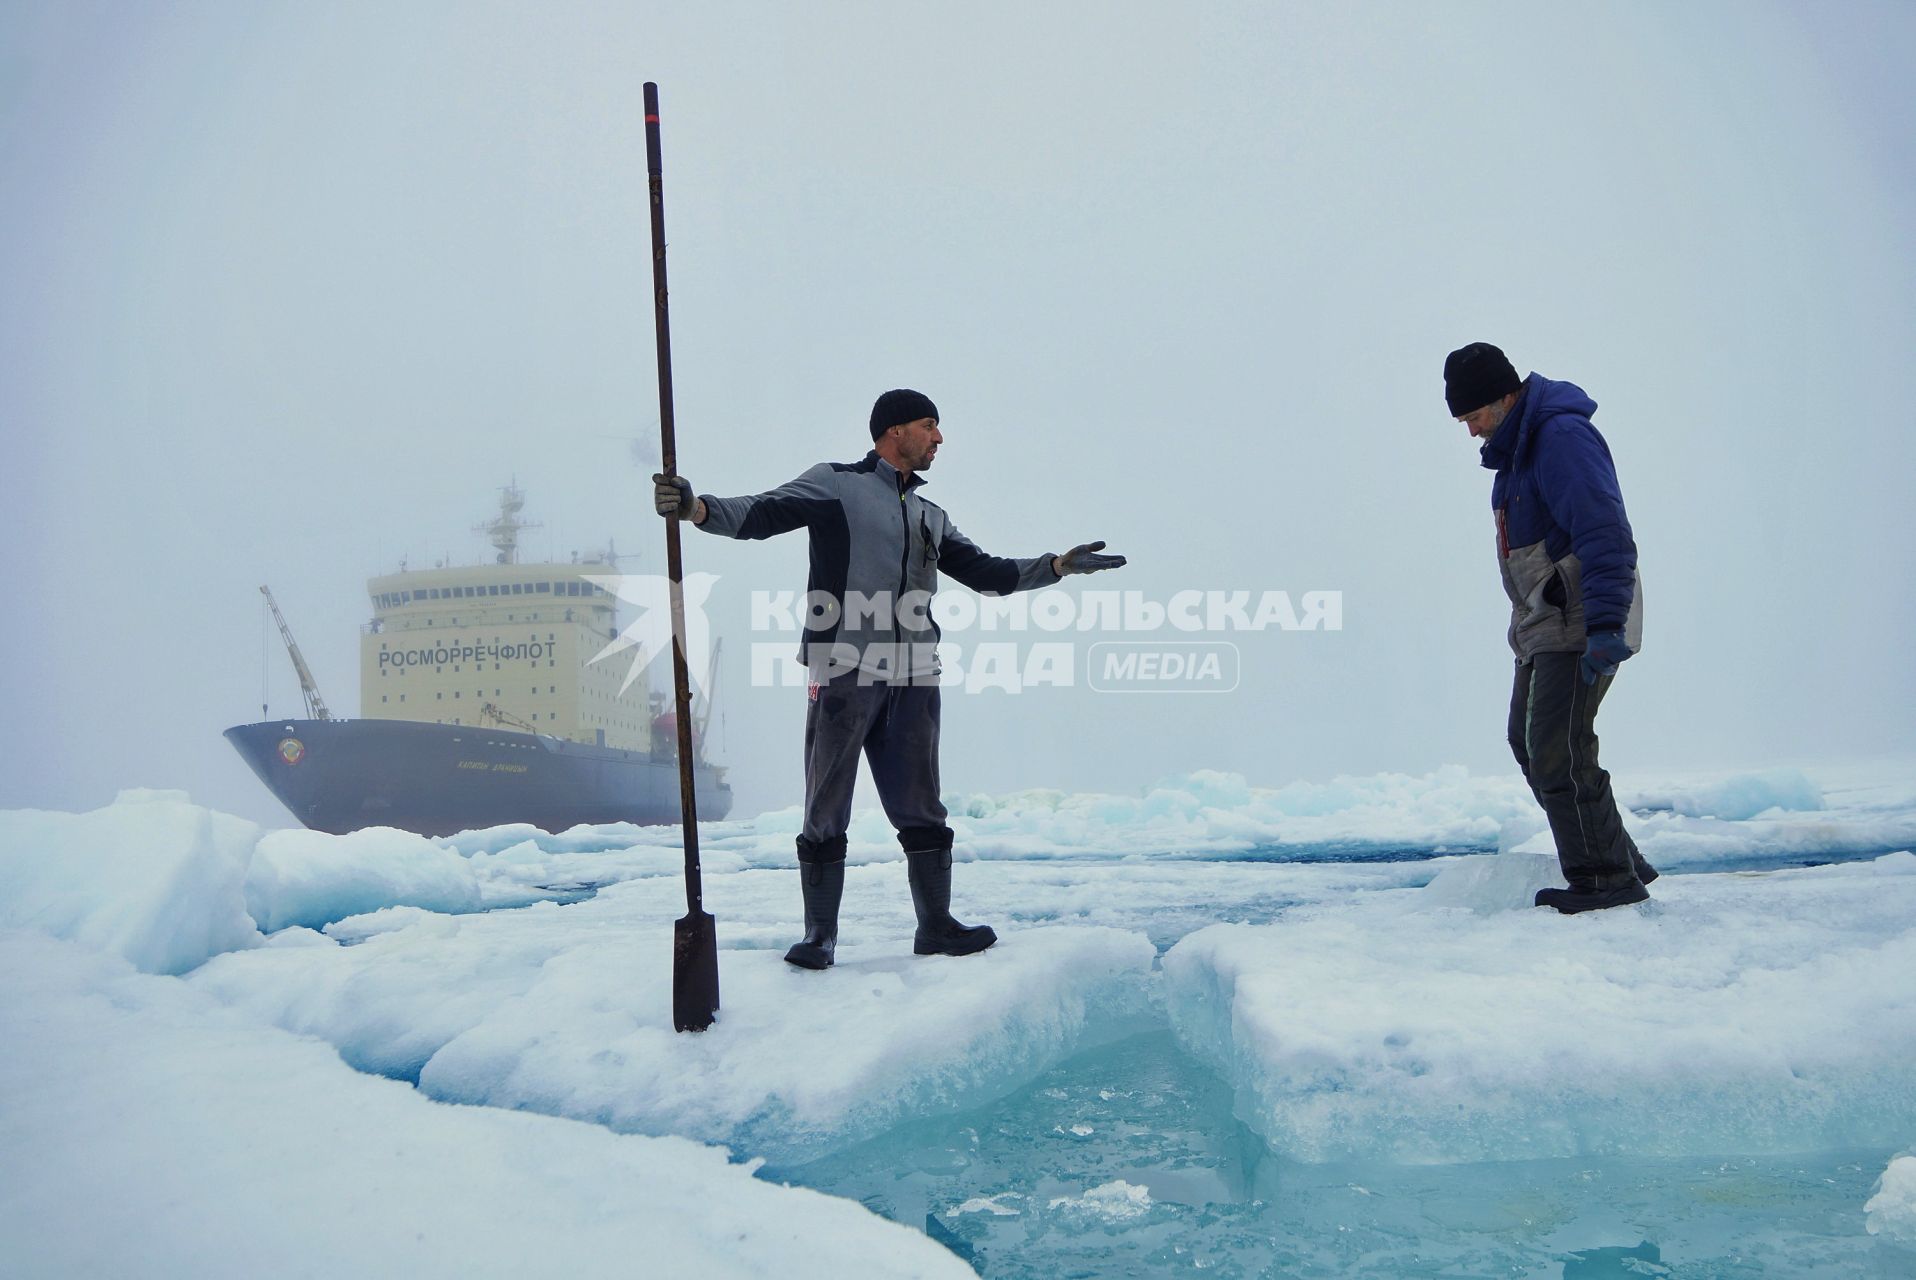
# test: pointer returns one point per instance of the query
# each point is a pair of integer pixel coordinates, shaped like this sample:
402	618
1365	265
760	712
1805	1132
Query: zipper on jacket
904	571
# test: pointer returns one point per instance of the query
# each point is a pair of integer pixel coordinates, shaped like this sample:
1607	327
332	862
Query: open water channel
1127	1160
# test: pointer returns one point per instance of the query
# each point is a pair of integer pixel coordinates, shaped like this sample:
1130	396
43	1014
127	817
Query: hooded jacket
1564	544
877	548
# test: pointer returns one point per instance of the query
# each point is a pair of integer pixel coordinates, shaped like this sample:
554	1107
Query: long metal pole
674	567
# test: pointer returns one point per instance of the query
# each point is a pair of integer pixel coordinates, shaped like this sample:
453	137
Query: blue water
1004	1188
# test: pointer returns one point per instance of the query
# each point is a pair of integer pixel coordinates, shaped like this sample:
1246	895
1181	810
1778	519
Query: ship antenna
503	529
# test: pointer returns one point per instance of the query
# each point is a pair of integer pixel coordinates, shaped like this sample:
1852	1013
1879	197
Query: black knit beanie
1474	376
899	406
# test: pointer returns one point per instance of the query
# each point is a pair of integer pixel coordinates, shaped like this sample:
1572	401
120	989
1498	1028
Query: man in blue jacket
878	547
1576	607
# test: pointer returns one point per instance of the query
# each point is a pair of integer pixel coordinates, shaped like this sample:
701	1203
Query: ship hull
435	779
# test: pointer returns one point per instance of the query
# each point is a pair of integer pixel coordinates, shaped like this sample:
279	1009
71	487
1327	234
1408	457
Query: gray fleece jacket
877	547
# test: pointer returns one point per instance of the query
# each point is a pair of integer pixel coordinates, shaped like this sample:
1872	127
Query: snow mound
409	982
1732	1014
1891	1212
310	878
799	1063
1734	798
150	878
167	1136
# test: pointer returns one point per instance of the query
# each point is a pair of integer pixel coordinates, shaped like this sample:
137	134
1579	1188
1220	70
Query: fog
291	290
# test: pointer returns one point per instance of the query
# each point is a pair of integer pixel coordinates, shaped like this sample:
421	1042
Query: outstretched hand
1084	558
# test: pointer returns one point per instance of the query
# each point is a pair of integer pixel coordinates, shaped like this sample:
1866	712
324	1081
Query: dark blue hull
437	779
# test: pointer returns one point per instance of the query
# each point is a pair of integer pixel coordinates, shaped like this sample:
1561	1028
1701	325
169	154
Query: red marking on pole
651	119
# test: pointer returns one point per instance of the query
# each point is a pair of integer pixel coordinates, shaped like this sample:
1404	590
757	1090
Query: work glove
672	496
1084	558
1601	654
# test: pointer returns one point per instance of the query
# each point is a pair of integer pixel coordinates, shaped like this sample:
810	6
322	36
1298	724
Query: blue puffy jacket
1563	541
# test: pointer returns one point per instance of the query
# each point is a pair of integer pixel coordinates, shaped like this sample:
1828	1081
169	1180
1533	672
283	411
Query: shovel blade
695	987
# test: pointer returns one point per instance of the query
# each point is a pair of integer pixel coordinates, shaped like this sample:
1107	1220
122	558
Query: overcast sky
291	289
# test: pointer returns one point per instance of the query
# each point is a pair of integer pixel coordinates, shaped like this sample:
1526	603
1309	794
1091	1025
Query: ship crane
308	689
504	719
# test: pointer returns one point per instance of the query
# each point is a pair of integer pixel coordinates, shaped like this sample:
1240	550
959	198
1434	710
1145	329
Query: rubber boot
930	873
823	881
1645	872
1583	895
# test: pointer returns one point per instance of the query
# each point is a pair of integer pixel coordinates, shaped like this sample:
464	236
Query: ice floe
150	1131
567	1011
1891	1212
1734	1013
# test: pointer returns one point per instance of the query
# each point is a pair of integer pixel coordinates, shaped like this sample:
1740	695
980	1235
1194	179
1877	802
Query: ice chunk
311	878
1115	1201
1733	1014
159	1134
373	923
1891	1211
151	878
988	1204
1743	795
1493	882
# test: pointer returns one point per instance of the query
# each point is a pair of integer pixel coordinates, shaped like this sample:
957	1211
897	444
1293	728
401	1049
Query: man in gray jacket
870	646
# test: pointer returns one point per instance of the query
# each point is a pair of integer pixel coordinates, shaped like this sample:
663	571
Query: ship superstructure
446	643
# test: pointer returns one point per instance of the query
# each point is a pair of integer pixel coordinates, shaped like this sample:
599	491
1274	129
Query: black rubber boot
1585	896
1645	872
930	873
823	882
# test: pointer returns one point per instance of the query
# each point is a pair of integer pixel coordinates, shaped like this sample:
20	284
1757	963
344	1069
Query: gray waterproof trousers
1553	734
895	726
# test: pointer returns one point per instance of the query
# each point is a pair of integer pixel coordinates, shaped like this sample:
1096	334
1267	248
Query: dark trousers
896	727
1553	717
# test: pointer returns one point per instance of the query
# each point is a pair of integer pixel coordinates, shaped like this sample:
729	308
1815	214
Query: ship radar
503	529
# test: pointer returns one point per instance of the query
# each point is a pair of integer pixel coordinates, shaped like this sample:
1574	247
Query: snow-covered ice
1733	1013
1775	815
150	1131
567	1010
152	878
1350	957
310	878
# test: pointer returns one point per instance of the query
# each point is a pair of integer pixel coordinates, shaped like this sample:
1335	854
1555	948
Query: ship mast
308	689
503	529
